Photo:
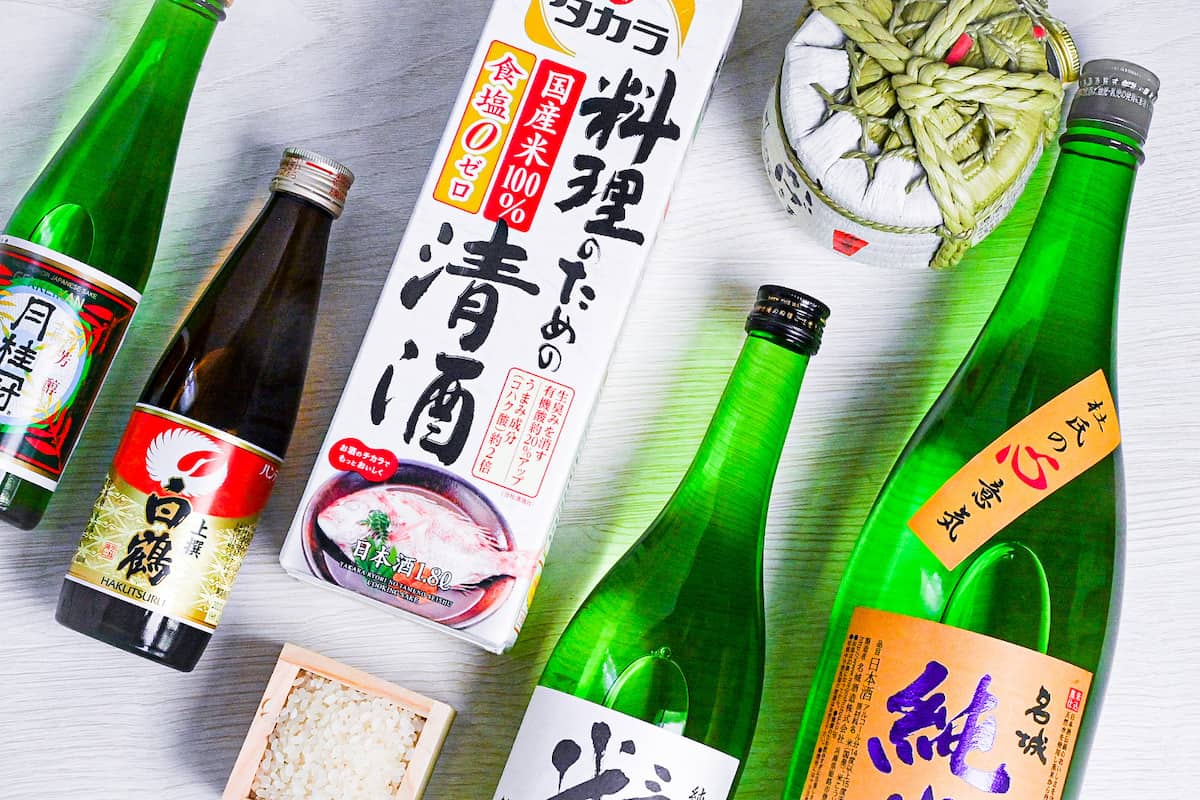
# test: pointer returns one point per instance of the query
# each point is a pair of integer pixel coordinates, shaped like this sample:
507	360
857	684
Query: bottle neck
1085	212
239	360
1064	287
171	43
102	196
735	466
1087	203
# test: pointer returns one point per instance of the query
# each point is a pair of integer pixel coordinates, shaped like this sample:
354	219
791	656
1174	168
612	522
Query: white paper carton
437	487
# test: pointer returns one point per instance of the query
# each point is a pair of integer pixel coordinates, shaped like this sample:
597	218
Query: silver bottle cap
314	177
1116	93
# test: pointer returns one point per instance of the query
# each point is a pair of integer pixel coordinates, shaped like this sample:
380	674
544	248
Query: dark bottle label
61	323
175	517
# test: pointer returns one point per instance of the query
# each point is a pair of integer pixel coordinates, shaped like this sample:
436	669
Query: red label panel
536	143
221	476
351	455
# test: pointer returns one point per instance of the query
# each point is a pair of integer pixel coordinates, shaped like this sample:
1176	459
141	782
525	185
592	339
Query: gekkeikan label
61	323
175	517
570	748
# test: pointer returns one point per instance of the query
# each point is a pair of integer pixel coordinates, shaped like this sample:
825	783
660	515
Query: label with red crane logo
175	517
61	323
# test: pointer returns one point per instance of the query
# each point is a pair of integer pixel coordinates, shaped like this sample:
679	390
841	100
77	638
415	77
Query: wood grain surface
371	82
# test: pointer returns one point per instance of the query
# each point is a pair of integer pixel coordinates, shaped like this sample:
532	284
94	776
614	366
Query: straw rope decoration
911	103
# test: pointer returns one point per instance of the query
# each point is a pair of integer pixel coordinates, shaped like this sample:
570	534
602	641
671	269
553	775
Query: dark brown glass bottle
200	455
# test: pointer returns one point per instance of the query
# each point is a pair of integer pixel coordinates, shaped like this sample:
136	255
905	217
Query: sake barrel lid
924	124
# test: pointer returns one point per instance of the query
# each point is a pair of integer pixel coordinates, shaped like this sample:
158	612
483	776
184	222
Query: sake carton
436	490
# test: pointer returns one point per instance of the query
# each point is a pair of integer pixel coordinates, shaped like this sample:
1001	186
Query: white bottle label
571	749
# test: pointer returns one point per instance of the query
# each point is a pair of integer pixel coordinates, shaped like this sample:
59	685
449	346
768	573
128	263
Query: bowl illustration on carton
423	540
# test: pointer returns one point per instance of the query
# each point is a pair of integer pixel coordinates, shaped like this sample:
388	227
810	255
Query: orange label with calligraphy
921	710
1035	458
488	120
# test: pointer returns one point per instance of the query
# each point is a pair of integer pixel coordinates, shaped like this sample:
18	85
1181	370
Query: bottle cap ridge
796	318
314	177
1117	93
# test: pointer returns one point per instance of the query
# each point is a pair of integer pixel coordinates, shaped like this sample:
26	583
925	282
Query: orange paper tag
487	122
1035	458
920	710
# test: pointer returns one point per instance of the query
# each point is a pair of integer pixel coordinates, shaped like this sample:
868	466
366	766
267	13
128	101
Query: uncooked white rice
332	742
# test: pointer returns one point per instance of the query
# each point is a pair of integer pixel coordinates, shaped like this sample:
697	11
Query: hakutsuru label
924	711
1035	458
571	749
175	518
61	323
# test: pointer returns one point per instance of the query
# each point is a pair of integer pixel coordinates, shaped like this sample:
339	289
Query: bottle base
22	503
123	625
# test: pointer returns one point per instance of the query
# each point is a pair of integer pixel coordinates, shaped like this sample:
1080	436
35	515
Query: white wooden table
370	82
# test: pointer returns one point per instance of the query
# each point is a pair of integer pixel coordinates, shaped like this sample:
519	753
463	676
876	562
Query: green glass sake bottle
655	683
76	254
972	630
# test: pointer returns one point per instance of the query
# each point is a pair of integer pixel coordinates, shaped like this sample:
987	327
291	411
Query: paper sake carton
436	490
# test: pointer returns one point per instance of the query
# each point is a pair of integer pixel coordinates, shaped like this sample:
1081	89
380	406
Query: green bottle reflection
1049	581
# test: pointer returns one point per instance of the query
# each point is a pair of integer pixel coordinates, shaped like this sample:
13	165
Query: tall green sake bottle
972	630
654	686
77	252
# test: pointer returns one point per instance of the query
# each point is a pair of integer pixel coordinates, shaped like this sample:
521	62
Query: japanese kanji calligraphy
570	749
920	710
491	337
1045	451
164	535
60	323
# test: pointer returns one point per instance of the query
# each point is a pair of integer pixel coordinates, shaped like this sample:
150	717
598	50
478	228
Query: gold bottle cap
1061	53
314	177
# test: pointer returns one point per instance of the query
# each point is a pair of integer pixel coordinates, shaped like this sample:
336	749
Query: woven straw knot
934	98
917	88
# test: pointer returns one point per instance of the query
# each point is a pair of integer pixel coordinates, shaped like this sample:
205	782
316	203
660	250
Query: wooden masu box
294	660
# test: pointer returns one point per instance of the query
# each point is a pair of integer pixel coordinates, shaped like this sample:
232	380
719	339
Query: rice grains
333	742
